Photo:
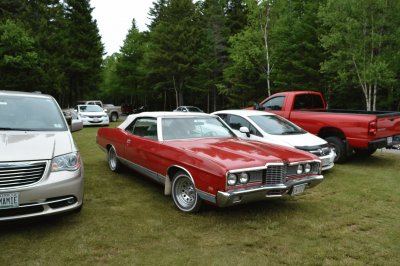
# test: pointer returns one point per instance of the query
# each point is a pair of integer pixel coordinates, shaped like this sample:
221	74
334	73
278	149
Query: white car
271	128
92	115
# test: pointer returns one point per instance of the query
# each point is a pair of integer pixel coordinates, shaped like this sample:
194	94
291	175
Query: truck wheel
339	147
364	152
114	117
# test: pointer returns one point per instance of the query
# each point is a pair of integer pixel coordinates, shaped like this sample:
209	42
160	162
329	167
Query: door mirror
245	130
256	106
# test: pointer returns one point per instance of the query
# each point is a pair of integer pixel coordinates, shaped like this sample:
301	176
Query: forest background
214	54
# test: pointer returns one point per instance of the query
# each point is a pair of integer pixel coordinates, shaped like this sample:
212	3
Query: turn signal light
372	128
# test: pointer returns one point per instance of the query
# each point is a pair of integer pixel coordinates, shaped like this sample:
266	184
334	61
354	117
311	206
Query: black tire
184	193
339	147
113	163
114	117
364	152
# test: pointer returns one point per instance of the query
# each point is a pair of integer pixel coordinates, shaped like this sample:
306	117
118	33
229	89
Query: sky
114	19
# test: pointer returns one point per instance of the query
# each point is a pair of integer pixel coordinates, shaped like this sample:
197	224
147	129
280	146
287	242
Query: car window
307	101
193	109
194	127
275	103
90	108
145	127
236	122
276	125
223	117
30	114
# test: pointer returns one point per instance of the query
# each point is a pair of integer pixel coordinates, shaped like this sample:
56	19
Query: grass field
352	218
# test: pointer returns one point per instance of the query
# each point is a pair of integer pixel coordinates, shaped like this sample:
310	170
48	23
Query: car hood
92	113
234	153
28	145
298	140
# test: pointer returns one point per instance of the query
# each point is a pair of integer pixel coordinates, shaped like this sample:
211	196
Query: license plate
9	200
298	189
96	120
326	161
389	140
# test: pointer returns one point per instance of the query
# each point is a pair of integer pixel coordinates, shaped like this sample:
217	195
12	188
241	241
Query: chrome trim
44	203
153	175
184	169
207	196
5	166
240	196
303	162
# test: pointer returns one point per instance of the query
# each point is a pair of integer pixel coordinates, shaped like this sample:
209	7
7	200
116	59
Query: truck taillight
372	128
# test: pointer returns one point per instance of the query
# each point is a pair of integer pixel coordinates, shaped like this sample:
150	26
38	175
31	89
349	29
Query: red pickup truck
347	131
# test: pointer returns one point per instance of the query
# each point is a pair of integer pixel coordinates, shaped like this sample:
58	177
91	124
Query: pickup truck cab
346	131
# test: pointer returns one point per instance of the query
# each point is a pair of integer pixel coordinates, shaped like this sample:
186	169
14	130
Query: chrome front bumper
56	192
235	197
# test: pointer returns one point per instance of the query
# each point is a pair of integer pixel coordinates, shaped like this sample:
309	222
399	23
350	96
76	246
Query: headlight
232	179
66	162
105	115
300	169
244	178
307	168
83	116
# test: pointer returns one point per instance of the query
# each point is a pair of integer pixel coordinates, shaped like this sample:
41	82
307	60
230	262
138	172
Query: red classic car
198	158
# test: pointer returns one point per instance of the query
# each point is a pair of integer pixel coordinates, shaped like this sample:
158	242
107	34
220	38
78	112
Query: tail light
372	128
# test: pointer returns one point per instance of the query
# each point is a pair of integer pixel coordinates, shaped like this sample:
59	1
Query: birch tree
358	32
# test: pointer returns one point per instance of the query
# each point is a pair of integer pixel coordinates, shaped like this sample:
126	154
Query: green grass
353	217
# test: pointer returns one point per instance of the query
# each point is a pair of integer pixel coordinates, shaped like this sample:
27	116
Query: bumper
104	121
328	161
225	199
384	142
55	193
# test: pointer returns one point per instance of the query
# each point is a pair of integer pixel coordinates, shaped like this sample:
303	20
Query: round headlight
307	168
244	178
300	169
232	178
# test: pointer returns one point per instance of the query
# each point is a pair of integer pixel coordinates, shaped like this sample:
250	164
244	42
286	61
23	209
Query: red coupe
198	158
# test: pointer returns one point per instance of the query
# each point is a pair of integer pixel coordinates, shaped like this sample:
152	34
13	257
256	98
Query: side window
254	131
98	103
144	127
90	103
274	103
236	122
223	117
307	101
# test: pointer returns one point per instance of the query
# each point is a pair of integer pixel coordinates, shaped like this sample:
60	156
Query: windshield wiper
291	133
17	129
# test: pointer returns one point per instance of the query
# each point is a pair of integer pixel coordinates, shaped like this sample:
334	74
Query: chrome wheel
113	162
184	193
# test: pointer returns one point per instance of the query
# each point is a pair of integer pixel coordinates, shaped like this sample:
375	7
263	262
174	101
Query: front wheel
114	117
113	161
339	147
184	193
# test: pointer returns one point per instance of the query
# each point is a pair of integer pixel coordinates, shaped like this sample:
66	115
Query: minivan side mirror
245	130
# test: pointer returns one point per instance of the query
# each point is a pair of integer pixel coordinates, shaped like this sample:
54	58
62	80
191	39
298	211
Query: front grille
95	116
20	173
275	174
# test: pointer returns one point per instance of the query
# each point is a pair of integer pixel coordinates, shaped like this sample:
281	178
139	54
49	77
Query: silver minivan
41	171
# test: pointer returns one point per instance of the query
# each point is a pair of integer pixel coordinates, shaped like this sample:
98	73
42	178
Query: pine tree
84	51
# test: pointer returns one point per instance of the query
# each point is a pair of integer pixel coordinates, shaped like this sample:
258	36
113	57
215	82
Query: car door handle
128	141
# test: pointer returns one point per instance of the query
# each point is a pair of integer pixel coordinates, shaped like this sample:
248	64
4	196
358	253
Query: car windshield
90	108
194	127
26	113
193	109
276	125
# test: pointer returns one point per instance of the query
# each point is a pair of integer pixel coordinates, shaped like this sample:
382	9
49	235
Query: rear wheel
339	147
184	193
113	161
